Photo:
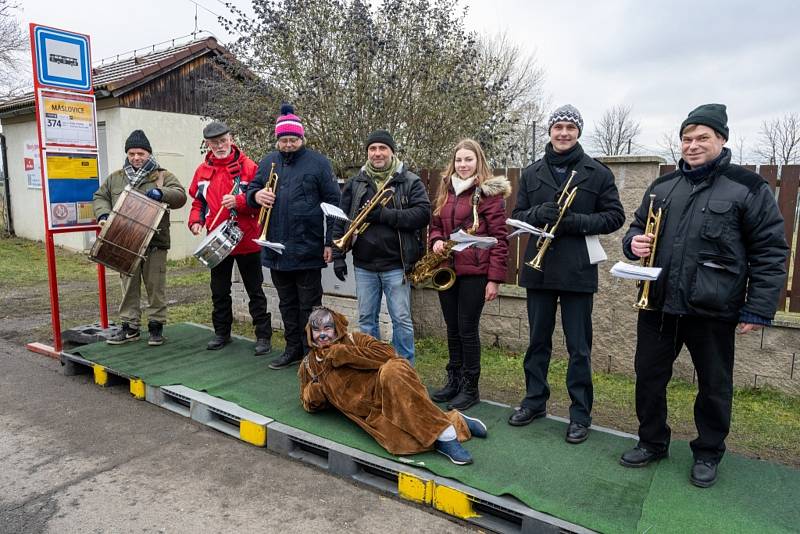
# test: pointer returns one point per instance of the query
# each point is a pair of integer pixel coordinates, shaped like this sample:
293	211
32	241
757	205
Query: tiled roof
114	77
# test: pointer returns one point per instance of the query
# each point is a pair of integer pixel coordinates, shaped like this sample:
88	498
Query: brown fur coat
367	381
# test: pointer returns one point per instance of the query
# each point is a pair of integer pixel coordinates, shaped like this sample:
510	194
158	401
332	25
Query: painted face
137	157
466	162
379	155
220	146
289	143
323	334
563	135
700	144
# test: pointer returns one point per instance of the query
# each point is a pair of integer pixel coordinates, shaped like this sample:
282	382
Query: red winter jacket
457	213
212	180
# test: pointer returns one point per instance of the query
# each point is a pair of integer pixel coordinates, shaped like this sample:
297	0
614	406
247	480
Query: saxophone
428	271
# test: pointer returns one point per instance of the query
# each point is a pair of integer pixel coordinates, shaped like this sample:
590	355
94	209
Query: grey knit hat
566	113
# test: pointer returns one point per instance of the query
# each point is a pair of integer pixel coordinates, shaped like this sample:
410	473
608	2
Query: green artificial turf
583	484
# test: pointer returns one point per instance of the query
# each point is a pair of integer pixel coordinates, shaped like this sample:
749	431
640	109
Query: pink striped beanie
288	123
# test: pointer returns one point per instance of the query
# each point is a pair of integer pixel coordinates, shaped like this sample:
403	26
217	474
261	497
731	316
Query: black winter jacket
395	241
721	244
595	210
305	179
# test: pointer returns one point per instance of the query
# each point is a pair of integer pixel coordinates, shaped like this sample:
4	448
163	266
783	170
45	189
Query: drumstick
235	185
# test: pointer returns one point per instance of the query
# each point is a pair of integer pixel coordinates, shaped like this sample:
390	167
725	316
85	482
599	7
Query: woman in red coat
479	272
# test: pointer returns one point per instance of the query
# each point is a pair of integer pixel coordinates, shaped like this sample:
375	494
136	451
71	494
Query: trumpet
264	214
651	227
359	224
428	271
543	243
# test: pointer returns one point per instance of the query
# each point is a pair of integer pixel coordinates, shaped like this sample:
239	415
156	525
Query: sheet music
277	247
466	240
332	211
595	250
525	228
635	272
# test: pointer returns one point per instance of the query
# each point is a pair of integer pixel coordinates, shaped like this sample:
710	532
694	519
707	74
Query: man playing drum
218	195
142	173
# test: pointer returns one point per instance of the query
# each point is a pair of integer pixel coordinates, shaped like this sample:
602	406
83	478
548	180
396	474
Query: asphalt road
75	457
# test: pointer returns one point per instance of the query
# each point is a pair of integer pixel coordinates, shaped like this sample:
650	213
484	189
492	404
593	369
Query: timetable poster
68	120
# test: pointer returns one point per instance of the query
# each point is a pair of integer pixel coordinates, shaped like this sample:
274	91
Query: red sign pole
55	350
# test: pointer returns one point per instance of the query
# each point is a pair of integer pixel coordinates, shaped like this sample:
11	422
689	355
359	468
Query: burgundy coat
457	213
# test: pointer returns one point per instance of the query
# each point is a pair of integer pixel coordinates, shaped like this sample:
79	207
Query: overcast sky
661	57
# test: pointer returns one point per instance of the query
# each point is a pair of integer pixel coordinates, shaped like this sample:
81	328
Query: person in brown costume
368	382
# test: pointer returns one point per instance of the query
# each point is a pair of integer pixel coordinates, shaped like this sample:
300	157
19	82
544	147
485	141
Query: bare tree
516	109
738	148
670	147
349	67
780	140
615	132
13	42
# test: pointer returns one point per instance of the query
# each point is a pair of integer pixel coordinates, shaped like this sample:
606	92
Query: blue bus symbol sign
62	59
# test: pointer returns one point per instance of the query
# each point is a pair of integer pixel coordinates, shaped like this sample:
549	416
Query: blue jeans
370	288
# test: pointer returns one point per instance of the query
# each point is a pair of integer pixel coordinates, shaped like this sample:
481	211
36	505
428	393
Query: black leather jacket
721	245
395	241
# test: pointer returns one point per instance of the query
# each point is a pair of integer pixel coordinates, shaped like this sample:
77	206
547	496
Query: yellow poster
73	167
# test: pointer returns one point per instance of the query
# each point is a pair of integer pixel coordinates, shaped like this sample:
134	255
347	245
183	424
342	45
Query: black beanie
137	139
381	136
712	115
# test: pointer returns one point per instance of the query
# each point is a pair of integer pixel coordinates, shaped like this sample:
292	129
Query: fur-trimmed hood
340	322
496	185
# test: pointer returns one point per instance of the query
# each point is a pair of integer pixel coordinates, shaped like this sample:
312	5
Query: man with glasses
305	180
218	192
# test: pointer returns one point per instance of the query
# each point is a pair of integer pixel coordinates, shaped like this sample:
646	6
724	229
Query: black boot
450	388
468	394
156	330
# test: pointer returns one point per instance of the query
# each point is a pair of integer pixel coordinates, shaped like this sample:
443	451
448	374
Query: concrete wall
770	357
176	142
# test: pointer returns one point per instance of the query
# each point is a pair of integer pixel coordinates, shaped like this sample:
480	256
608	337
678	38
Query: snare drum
219	243
123	241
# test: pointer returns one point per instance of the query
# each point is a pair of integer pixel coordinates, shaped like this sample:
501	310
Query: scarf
563	159
135	176
460	184
381	175
700	173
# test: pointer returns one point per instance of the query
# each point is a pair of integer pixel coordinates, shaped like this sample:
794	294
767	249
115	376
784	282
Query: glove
155	194
570	224
546	213
374	216
340	268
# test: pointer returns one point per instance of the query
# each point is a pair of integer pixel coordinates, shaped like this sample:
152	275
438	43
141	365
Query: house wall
176	140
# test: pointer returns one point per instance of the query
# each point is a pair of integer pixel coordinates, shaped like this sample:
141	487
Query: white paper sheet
635	272
277	247
595	250
333	211
466	240
525	228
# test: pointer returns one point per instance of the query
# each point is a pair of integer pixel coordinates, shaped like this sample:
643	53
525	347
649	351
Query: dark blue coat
305	179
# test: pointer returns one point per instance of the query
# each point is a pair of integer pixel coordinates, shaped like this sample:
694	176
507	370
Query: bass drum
218	244
123	241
